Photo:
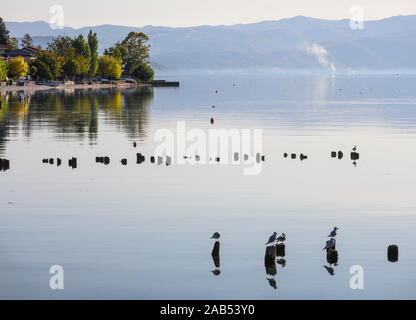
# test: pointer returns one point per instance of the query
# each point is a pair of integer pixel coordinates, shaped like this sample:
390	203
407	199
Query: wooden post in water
393	253
332	256
281	250
6	164
355	156
270	256
140	158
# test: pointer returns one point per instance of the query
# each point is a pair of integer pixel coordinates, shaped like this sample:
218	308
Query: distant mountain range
295	43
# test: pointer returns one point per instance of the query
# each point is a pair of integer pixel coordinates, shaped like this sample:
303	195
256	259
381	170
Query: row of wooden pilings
4	164
73	162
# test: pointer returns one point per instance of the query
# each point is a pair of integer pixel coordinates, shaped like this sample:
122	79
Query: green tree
18	67
77	66
136	51
93	43
81	47
144	72
109	66
60	45
4	33
27	40
13	44
33	70
48	65
3	69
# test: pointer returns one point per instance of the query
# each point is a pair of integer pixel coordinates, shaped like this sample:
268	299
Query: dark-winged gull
272	239
216	236
333	234
329	244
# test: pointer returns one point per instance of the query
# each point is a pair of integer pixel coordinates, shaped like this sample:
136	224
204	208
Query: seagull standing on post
333	234
272	239
282	238
216	236
329	244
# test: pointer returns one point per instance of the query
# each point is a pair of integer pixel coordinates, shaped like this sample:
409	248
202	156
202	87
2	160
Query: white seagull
272	239
282	238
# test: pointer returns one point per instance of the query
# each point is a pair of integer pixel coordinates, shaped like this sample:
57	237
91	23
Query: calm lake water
142	231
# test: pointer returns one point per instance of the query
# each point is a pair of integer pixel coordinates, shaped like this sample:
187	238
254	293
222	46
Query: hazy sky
79	13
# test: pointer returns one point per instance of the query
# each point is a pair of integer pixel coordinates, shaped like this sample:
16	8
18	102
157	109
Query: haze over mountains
295	43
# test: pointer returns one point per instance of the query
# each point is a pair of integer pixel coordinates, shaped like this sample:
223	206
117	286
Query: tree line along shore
75	61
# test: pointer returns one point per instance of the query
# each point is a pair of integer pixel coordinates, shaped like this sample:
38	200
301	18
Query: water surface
142	231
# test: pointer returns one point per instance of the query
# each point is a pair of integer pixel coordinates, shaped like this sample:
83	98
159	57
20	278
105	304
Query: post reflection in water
216	258
74	113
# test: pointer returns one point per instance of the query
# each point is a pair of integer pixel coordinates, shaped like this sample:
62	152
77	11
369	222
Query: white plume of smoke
321	55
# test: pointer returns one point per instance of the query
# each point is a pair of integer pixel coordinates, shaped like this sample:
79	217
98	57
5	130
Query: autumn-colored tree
18	67
3	69
109	66
48	65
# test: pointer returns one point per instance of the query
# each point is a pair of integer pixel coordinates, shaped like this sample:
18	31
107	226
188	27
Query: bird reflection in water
330	270
282	262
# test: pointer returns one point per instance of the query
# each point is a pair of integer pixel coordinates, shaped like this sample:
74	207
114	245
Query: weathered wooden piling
332	256
6	164
140	158
72	163
393	253
355	156
270	255
281	250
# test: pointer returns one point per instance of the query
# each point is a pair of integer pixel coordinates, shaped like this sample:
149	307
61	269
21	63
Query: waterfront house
28	53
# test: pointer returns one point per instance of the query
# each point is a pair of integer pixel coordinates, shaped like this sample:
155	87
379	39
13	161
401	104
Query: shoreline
39	87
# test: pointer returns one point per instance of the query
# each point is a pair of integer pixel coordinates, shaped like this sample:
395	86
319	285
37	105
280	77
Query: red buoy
212	121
